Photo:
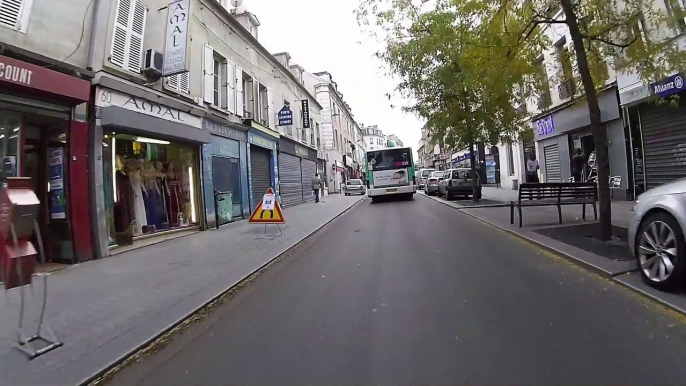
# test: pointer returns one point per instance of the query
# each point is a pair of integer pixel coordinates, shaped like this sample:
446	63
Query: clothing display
151	193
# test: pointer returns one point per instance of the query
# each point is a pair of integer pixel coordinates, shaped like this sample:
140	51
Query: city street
415	292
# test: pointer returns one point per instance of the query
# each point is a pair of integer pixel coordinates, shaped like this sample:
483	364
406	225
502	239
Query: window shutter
119	36
270	106
208	74
173	82
184	82
128	34
136	33
256	108
11	13
230	92
239	91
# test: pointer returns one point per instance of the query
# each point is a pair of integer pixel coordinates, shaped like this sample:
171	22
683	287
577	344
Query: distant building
374	138
395	140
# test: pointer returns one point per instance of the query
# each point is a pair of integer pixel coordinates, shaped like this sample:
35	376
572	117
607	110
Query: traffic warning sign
268	211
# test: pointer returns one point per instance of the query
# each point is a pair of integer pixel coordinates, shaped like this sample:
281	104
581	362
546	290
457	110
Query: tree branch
611	43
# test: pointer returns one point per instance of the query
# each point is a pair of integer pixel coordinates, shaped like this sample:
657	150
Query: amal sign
105	97
285	116
668	86
176	44
545	125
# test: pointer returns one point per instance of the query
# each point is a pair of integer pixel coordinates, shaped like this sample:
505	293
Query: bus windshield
388	159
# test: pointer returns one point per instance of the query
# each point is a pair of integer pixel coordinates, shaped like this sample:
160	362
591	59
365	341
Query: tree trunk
472	165
597	129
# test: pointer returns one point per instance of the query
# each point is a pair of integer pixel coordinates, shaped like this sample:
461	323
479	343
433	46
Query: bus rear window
389	159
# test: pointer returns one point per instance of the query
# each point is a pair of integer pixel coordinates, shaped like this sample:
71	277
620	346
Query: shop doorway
44	160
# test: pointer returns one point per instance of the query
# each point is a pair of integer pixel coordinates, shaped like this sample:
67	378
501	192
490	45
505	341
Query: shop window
150	186
14	14
10	123
127	39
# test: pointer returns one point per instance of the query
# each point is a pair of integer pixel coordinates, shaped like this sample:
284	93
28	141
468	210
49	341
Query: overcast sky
323	35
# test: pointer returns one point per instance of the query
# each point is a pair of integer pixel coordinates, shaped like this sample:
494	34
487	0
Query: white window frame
22	18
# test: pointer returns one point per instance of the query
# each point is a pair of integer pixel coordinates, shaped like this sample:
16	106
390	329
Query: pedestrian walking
316	186
532	167
578	162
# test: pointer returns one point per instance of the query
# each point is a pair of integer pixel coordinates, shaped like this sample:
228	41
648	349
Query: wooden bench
556	194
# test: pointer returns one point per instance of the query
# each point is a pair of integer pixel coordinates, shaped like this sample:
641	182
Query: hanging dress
141	218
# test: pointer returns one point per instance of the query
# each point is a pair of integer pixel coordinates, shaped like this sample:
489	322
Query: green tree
465	83
484	54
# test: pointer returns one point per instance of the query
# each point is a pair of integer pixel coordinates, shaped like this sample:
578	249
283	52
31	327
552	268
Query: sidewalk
106	309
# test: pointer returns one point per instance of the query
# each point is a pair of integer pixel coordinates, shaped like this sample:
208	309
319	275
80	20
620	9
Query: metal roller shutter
290	180
664	143
309	168
552	163
260	173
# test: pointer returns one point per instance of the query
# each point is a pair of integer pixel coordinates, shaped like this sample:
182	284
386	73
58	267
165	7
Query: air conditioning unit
154	61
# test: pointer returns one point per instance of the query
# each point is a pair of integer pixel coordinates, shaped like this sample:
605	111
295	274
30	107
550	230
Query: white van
423	175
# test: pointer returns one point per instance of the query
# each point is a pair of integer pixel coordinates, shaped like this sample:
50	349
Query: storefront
148	162
297	167
658	134
558	134
263	164
225	173
44	136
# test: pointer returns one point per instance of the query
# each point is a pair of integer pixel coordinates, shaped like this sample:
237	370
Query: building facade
337	132
560	120
45	97
392	138
655	116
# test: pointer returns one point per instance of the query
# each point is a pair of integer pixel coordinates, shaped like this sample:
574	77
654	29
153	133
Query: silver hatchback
656	235
354	186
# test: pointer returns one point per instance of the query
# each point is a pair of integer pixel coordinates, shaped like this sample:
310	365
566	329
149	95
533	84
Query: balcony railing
566	89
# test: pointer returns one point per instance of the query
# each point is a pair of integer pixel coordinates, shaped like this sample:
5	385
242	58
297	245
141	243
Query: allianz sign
668	86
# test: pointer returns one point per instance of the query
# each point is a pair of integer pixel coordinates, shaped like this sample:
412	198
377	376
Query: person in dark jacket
578	162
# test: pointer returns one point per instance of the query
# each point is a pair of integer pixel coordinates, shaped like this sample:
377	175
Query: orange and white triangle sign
268	211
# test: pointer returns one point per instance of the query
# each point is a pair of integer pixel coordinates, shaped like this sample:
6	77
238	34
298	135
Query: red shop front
41	138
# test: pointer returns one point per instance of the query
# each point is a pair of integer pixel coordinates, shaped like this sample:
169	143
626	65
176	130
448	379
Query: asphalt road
414	292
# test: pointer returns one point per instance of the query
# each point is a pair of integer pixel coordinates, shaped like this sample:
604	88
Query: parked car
354	186
423	175
656	235
458	182
432	182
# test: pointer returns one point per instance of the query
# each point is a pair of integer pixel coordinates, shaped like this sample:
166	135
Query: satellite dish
236	3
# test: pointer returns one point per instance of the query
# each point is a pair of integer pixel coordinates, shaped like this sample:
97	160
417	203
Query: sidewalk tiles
105	310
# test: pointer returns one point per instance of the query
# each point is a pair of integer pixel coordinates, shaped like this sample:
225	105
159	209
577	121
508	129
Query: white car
656	235
354	186
423	175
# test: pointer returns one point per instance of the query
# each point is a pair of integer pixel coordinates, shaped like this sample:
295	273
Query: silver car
431	186
423	174
354	186
656	234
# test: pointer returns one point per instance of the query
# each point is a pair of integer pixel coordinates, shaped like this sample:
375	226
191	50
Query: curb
539	244
103	371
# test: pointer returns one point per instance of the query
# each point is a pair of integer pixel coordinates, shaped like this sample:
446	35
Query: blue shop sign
285	116
545	125
465	157
668	86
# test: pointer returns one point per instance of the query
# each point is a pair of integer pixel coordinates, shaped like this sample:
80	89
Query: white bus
390	172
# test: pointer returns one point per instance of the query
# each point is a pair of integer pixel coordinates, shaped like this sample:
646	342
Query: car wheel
660	251
448	196
478	195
